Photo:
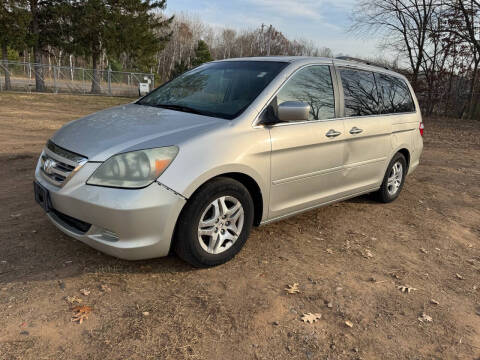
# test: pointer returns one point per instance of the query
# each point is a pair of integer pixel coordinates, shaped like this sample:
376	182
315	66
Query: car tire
393	180
215	223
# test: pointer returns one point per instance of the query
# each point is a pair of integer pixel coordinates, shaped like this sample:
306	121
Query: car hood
130	127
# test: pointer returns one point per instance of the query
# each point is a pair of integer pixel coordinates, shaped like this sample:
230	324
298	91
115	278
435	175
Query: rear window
394	94
359	92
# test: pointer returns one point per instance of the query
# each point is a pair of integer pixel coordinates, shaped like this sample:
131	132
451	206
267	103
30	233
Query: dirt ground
349	260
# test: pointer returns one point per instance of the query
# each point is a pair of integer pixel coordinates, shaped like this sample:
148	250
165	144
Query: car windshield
221	89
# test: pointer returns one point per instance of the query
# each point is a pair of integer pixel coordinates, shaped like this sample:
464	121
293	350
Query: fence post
83	80
109	80
29	76
55	79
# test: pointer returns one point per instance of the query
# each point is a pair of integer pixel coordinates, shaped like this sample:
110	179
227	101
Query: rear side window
359	92
312	85
394	94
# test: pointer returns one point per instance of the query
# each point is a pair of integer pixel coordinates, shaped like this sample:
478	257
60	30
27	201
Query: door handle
354	130
332	133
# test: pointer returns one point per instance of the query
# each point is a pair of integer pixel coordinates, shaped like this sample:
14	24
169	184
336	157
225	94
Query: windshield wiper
179	108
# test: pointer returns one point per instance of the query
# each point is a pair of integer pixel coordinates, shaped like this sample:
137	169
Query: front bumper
128	224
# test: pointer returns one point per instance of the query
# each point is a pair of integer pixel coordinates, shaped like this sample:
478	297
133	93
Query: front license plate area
42	197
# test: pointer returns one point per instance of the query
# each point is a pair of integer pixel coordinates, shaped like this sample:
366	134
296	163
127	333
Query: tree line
438	44
129	35
89	30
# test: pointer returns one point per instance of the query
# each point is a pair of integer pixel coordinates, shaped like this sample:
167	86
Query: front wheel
215	223
393	180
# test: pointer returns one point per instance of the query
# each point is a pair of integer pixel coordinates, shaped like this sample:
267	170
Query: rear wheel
393	180
215	223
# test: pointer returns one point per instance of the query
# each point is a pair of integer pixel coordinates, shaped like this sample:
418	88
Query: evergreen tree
202	54
48	28
179	68
14	20
118	27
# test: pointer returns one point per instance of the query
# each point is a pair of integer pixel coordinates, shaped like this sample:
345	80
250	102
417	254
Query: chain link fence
25	77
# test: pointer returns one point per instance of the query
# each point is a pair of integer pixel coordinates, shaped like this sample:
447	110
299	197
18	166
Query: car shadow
48	254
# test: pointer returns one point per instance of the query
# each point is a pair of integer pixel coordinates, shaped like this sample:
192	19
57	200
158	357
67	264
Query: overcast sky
325	22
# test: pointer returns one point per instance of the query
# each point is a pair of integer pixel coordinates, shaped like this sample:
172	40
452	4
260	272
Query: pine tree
117	27
48	28
14	20
202	54
179	68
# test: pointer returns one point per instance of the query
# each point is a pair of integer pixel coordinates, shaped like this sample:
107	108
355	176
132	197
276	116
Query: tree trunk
8	85
471	99
37	50
38	69
95	78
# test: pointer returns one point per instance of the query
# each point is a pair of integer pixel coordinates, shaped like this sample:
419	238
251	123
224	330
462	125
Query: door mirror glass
293	111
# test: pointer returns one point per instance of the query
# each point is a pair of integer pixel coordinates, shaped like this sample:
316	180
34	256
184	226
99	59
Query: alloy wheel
395	178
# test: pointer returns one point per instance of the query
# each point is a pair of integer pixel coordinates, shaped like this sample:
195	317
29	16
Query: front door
307	156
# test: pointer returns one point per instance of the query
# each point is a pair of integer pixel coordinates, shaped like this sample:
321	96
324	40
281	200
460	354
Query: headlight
134	169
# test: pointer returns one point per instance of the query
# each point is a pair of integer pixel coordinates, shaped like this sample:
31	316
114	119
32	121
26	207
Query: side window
394	93
360	93
312	85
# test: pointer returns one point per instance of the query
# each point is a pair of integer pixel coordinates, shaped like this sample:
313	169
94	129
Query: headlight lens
134	169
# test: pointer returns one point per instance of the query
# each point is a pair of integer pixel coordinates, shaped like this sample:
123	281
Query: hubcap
395	178
220	224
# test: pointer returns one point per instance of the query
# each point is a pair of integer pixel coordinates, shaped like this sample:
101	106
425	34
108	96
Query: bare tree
404	25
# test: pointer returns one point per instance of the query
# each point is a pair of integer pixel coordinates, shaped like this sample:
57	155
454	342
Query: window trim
342	99
336	99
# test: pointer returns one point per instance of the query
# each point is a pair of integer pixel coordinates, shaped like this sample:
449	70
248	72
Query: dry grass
164	309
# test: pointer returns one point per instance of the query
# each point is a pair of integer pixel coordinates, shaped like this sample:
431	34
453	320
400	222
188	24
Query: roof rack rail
366	62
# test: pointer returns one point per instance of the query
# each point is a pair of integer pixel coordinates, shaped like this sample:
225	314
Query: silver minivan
194	164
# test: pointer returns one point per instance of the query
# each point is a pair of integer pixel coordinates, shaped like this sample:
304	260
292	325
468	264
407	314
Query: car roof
347	62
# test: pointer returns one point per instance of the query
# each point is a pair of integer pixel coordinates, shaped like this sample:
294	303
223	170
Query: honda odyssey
194	164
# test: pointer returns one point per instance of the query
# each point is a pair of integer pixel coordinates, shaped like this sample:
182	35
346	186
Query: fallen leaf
80	313
367	253
349	323
330	251
105	288
145	313
406	289
423	250
85	292
73	299
459	276
434	302
84	309
310	318
292	289
425	317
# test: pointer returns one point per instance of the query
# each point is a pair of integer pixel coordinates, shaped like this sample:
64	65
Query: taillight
421	127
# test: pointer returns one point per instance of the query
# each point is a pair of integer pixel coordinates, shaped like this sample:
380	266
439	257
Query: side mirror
293	111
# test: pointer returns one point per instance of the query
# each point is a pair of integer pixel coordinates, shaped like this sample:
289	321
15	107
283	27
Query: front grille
57	164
